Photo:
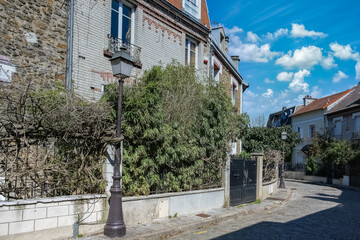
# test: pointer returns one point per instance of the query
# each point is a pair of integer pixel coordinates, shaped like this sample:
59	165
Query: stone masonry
34	37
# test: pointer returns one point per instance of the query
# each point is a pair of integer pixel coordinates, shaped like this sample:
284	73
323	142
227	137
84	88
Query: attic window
193	7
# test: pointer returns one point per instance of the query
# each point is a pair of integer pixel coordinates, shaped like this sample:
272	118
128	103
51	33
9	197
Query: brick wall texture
161	42
34	37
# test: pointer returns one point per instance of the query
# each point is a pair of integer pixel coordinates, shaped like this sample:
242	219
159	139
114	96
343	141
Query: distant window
233	94
121	18
337	129
357	124
300	131
190	53
192	1
312	130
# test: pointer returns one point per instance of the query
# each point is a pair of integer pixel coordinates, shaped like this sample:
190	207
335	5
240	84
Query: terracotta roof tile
204	11
205	14
321	103
176	3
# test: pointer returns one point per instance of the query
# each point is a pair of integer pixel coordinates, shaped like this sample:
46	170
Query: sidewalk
161	228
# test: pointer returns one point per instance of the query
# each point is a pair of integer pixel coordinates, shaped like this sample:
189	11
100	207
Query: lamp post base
115	226
113	231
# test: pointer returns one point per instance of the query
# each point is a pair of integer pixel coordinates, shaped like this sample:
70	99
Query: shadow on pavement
340	222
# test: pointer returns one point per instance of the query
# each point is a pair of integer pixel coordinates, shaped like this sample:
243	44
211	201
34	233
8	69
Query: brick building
157	32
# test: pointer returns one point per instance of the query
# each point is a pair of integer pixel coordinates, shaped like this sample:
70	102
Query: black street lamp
282	172
121	64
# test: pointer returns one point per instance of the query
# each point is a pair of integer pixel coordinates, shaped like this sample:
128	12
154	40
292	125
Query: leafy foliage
177	131
339	152
261	139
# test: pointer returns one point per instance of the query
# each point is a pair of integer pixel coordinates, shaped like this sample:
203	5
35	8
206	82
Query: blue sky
289	49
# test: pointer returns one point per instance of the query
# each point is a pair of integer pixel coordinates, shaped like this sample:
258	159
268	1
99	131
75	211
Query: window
337	130
190	53
357	124
337	122
121	21
312	130
233	94
300	131
192	7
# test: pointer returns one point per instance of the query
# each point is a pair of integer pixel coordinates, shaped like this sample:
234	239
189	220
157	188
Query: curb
236	213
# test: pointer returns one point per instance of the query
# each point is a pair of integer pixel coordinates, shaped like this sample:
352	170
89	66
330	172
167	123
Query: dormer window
193	7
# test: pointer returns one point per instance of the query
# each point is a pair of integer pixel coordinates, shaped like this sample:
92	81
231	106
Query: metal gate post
259	157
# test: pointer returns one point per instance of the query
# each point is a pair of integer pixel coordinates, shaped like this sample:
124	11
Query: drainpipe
70	47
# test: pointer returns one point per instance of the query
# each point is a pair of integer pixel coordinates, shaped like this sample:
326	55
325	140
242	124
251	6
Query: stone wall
34	38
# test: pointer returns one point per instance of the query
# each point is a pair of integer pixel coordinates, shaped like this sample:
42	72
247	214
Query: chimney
226	45
308	99
236	60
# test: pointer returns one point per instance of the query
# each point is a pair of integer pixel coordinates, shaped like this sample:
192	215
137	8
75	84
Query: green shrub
177	131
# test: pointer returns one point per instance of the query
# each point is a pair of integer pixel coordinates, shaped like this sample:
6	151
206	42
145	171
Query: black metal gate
242	181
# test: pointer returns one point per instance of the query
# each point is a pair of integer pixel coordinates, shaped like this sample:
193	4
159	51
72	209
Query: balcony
117	44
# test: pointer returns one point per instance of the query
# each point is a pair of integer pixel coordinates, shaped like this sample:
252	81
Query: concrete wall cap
51	200
167	195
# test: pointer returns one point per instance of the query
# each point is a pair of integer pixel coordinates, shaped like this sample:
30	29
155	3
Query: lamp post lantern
121	64
282	172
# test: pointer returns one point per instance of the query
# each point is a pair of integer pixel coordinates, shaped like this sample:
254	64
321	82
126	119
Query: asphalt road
314	212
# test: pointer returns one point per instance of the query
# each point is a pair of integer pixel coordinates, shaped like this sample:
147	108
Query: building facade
343	120
310	120
156	32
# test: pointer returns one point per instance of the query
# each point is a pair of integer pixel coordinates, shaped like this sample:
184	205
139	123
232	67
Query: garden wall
53	218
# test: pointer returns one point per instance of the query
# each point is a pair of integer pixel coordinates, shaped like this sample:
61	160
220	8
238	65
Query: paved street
314	212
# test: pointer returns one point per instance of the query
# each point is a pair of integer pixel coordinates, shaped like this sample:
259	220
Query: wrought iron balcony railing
117	44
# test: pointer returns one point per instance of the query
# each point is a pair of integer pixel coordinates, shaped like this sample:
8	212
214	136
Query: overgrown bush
177	131
51	142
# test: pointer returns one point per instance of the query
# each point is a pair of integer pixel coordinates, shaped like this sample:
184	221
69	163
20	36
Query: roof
352	100
321	103
204	19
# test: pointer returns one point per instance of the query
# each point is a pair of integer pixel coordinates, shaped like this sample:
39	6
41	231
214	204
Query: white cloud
252	37
267	80
285	76
253	52
248	94
306	57
233	30
339	76
316	92
269	93
298	84
328	62
279	33
299	31
344	52
357	70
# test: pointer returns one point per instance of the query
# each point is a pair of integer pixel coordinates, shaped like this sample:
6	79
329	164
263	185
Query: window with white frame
190	53
121	21
193	7
233	94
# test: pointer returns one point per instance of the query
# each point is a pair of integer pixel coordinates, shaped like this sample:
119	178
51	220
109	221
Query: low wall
53	218
268	188
302	176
